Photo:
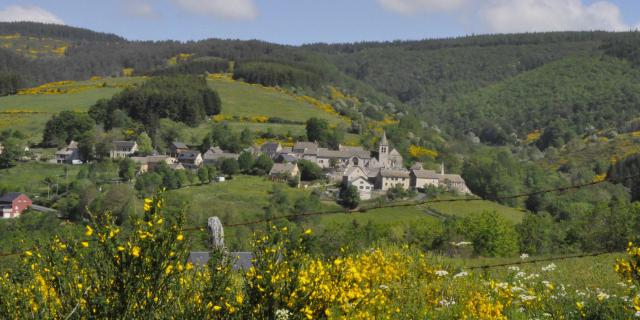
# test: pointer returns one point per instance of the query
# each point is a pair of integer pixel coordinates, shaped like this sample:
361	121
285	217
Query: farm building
13	204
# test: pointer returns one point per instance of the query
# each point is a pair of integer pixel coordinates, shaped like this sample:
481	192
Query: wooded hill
498	87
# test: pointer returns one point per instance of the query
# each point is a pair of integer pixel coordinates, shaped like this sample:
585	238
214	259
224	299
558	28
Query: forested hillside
487	85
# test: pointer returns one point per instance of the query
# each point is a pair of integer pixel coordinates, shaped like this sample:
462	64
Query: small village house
215	154
284	171
149	163
364	187
389	178
176	148
190	159
421	179
271	149
13	204
68	154
123	149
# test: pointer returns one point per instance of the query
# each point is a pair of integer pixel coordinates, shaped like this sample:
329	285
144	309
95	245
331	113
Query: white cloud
551	15
412	7
226	9
28	13
140	9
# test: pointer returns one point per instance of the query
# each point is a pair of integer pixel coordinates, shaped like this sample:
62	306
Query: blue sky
306	21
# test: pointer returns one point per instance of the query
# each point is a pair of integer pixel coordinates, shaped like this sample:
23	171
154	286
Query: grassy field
29	112
245	100
591	272
464	208
28	177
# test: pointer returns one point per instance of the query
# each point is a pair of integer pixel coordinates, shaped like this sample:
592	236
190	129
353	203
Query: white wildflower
550	267
637	315
514	268
602	296
461	274
525	297
384	287
441	273
524	256
283	314
446	303
520	274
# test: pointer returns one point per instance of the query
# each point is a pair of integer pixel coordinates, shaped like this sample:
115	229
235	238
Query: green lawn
384	216
28	177
465	208
245	100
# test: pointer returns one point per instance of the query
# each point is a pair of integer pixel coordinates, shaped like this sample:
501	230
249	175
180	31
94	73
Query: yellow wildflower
89	231
135	251
85	244
180	237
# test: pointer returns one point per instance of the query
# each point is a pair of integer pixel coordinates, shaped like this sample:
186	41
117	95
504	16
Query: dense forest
186	99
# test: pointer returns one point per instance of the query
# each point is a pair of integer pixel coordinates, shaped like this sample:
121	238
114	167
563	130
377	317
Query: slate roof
326	153
394	173
350	148
179	145
188	155
287	158
425	174
305	147
216	153
384	141
124	144
240	260
282	168
9	197
456	178
270	147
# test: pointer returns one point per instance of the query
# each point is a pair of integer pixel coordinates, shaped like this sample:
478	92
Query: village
372	174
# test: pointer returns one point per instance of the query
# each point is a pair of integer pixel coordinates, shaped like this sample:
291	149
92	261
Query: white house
364	187
68	154
190	159
123	149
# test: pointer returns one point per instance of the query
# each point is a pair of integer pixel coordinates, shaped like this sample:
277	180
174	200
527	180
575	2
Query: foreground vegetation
106	274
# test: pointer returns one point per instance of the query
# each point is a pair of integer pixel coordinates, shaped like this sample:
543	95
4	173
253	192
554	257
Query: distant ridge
63	32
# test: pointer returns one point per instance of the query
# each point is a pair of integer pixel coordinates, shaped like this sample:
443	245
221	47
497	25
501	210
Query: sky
309	21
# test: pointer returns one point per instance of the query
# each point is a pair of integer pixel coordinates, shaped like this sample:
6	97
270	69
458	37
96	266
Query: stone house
271	149
13	204
68	154
175	148
123	149
284	171
421	179
453	182
190	159
389	178
215	154
149	163
364	187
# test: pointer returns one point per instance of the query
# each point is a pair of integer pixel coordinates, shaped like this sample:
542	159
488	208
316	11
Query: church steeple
383	150
384	141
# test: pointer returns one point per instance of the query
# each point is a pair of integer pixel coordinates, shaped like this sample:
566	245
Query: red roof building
13	204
